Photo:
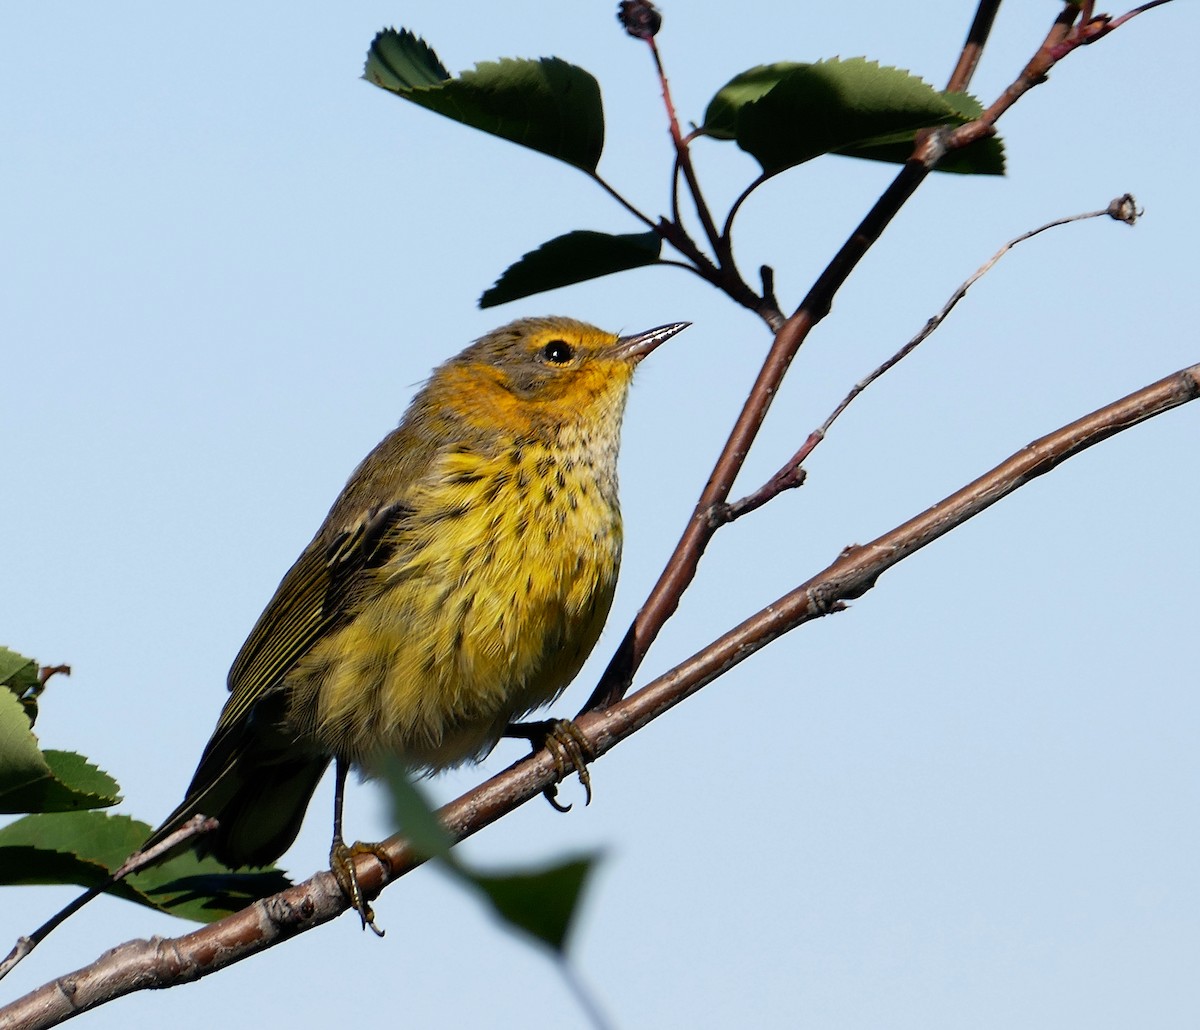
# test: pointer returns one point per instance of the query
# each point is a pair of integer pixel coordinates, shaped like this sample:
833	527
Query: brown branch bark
158	962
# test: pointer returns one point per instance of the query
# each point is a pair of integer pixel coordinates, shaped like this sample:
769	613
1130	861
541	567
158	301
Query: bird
458	583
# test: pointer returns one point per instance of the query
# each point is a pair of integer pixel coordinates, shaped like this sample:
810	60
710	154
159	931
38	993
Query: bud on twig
640	18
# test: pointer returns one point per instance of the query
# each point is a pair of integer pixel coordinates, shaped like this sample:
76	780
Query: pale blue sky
971	800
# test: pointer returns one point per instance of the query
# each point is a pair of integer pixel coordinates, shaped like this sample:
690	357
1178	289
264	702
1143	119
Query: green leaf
785	114
542	903
20	675
399	61
53	781
84	781
547	105
721	118
573	258
983	157
21	761
83	848
17	672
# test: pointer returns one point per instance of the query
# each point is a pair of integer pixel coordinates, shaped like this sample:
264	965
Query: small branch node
822	600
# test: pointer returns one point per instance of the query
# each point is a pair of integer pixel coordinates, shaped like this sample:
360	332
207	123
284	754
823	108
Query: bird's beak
634	348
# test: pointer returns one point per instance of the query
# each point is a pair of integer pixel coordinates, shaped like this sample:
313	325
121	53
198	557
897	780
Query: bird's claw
569	749
341	861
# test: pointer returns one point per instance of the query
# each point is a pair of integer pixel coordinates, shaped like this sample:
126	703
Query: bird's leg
341	857
567	746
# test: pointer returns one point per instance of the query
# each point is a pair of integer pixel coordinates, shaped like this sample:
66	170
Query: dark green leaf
721	118
785	114
542	903
204	890
983	157
398	61
17	672
21	762
51	781
83	848
547	104
572	258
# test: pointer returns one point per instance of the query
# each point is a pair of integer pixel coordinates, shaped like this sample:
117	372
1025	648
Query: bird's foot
567	746
341	861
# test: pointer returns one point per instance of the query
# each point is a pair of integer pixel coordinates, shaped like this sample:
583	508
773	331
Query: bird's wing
317	595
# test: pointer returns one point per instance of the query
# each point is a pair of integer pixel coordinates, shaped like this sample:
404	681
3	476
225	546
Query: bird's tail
257	790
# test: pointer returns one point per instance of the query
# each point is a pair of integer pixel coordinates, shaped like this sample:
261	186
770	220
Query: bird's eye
558	352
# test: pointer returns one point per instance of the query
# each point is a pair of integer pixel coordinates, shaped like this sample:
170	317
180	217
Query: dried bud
639	17
1124	209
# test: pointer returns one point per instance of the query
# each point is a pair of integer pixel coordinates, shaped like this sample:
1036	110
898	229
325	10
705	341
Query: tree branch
791	475
158	962
681	568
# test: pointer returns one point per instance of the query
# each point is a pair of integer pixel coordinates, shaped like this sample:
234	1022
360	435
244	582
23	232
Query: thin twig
684	155
158	963
681	567
736	206
791	475
972	50
1093	28
612	192
194	827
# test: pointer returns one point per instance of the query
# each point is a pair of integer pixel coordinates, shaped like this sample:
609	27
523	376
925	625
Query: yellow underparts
499	586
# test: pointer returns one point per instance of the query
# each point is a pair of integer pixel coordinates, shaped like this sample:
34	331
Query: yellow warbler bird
459	582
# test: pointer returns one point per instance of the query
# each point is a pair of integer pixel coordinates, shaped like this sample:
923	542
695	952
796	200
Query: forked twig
791	475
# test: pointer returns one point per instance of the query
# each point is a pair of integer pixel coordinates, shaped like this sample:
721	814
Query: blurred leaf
785	114
573	258
542	903
413	814
83	848
547	104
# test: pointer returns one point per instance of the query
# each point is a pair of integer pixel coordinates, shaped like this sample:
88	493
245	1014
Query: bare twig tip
1124	209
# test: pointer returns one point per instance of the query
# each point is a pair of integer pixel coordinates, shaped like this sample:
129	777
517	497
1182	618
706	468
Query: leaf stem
620	199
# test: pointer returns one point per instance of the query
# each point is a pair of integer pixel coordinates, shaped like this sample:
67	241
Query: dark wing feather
314	598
